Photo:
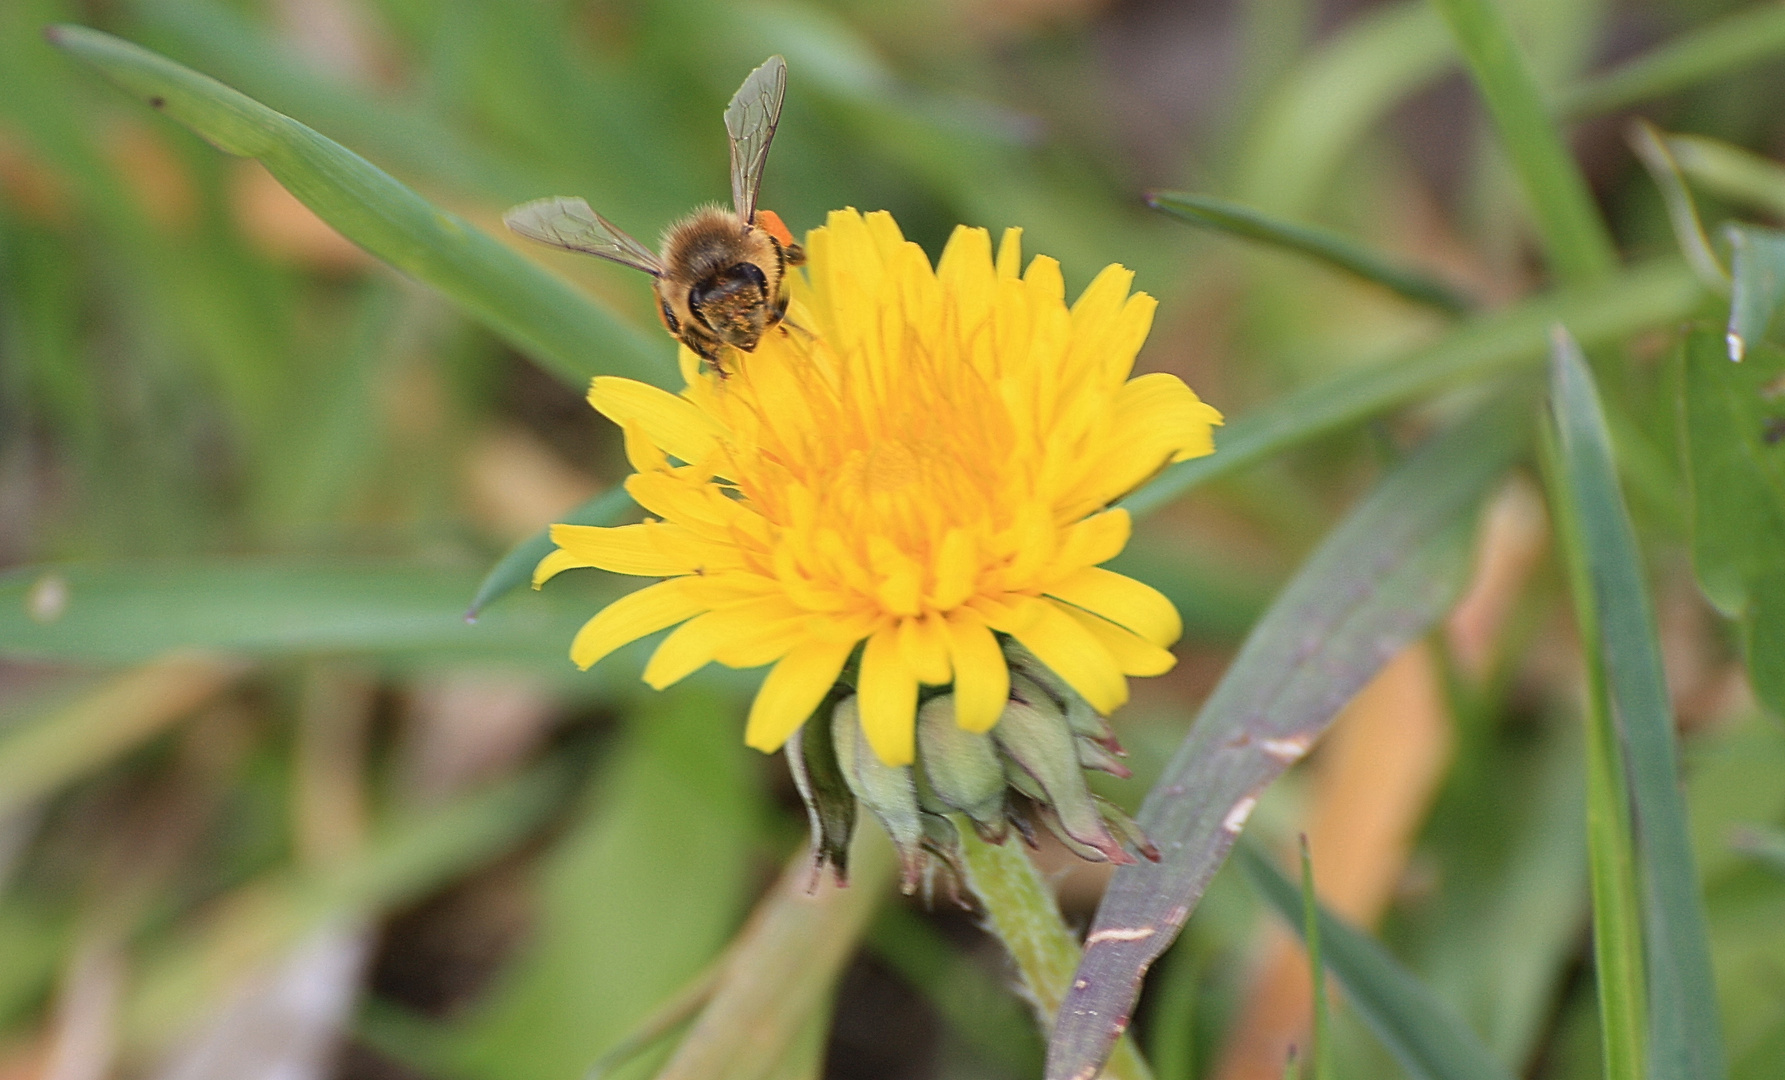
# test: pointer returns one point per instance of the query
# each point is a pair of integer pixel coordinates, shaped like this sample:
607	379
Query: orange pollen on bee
770	222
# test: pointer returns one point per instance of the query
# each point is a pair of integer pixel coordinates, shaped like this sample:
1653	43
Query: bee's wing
750	119
571	224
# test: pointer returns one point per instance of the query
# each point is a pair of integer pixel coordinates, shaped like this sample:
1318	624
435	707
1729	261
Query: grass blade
1684	1037
1682	212
1729	431
536	311
1429	1040
1731	172
1574	236
516	568
1759	286
1657	294
134	611
1322	244
1321	1052
1733	42
1376	583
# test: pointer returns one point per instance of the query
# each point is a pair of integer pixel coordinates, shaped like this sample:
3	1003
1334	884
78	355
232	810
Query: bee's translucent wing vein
750	120
573	225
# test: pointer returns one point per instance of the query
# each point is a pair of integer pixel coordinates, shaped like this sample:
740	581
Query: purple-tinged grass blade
1376	584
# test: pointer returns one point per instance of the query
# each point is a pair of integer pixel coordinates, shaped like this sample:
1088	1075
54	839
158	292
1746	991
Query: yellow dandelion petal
672	422
1123	601
794	688
1133	654
633	616
1058	641
642	549
923	643
887	695
981	679
702	639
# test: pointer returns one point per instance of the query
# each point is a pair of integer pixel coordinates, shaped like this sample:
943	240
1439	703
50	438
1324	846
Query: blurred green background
346	833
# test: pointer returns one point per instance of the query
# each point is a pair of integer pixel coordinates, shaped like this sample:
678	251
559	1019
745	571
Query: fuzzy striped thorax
901	503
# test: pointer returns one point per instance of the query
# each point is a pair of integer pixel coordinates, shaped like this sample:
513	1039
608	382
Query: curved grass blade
1682	212
1574	236
1324	245
1429	1040
1718	48
1335	95
1684	1037
1731	172
536	311
1759	285
516	568
1376	583
1656	294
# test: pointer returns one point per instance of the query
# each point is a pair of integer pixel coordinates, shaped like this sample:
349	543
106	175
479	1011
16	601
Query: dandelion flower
921	467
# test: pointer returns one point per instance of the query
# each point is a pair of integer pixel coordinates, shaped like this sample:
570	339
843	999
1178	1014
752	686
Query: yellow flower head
923	457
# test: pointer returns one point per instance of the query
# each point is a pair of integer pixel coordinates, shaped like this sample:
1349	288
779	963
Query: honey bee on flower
721	281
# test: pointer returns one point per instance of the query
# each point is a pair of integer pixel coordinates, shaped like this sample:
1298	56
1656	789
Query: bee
721	280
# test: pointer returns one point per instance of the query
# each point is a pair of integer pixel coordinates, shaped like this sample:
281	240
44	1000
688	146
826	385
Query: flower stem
1020	910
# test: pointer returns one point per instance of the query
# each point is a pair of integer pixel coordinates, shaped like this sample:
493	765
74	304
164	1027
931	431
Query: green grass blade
1320	1057
1376	583
1316	243
1429	1040
1573	235
1682	212
1735	41
1759	286
1684	1037
1729	426
1728	171
133	611
1657	294
533	309
516	568
1336	94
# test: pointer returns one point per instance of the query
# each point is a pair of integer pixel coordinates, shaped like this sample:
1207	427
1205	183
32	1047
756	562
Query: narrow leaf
1658	294
1316	243
1759	286
1429	1040
1321	1054
1682	212
1733	435
1684	1035
1376	583
1718	48
134	611
516	568
1731	172
1573	234
533	309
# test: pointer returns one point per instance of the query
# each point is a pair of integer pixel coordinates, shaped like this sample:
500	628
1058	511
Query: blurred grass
222	428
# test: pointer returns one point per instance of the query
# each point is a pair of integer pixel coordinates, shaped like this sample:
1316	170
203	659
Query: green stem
1020	910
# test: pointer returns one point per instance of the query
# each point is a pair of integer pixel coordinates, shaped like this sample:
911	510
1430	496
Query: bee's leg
793	254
